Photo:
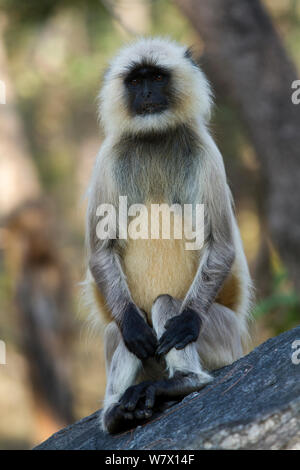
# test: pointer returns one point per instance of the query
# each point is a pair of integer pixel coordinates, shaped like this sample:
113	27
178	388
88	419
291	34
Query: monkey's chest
155	267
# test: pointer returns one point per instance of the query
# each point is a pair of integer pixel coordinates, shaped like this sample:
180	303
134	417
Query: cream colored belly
155	267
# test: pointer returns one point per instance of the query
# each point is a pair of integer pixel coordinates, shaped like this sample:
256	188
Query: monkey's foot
118	419
134	396
148	397
153	395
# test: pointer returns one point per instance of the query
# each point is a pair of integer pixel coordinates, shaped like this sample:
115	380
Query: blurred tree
244	56
42	296
16	167
37	275
131	18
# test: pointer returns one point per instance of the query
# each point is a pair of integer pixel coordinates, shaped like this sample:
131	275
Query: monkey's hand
180	331
138	337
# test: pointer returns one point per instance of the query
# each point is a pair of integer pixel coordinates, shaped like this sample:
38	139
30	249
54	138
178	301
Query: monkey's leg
184	371
184	368
122	368
219	341
220	338
218	344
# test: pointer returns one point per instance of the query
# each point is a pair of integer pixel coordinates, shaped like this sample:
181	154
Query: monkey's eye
158	77
134	81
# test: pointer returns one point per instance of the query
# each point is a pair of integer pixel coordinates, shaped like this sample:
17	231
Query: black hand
180	331
137	334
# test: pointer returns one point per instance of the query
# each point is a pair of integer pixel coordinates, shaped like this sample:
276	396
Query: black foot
118	419
134	395
151	395
140	402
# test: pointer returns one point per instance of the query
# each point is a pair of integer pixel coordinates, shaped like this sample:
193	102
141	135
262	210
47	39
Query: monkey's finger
150	396
130	402
127	415
148	413
125	397
167	336
123	414
150	352
150	346
133	394
135	349
171	322
139	414
168	342
152	333
165	346
154	341
141	355
140	351
182	344
142	413
162	349
148	337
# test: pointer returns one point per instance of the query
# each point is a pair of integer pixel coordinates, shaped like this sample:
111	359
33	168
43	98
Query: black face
148	90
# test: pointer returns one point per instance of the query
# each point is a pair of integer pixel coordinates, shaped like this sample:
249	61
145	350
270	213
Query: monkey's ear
188	54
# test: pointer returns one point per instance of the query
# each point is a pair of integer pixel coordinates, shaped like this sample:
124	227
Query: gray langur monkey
171	314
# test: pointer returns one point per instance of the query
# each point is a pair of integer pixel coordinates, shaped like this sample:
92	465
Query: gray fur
108	273
159	166
168	158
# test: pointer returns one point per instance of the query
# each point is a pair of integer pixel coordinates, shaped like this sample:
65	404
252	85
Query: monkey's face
153	84
148	90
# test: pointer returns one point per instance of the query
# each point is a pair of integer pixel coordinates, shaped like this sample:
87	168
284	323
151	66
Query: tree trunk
43	304
251	404
18	177
34	266
245	57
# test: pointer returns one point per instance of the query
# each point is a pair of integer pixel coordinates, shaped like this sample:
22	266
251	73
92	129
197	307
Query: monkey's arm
106	268
105	262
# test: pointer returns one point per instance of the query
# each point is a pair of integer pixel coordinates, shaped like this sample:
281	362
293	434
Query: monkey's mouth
151	108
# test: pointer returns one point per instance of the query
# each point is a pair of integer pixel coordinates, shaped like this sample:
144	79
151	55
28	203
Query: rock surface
252	404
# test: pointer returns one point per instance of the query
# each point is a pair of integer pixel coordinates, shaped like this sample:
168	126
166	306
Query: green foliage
36	11
282	307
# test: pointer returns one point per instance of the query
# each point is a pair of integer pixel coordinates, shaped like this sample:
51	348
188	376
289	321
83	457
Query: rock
252	404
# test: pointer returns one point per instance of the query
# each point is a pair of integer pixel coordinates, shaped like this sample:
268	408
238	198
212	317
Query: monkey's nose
147	95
